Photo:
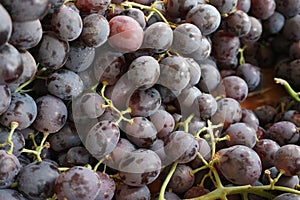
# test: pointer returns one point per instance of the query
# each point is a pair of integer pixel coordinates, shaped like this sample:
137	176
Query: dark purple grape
64	84
195	191
292	116
195	71
294	52
250	118
250	73
141	132
289	8
210	77
274	23
287	158
291	27
36	180
224	7
77	183
107	187
262	9
207	106
5	27
239	164
11	64
244	5
9	169
102	138
11	194
287	196
266	150
77	156
158	148
265	114
65	138
136	14
236	88
169	196
29	67
26	10
242	134
284	132
179	8
144	102
255	32
51	51
67	23
95	30
294	74
17	140
22	110
92	6
126	192
206	17
26	35
164	123
5	99
237	23
182	180
80	56
52	114
203	51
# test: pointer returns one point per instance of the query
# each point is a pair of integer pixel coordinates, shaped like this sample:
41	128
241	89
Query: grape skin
5	100
5	27
9	169
126	192
266	150
181	180
283	132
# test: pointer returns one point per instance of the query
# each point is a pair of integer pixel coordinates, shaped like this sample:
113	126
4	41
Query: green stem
13	127
99	163
38	149
166	182
288	88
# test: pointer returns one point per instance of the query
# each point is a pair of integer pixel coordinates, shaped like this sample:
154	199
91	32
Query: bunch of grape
144	99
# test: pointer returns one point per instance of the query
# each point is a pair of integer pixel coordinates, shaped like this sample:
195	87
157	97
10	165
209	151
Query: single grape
164	123
249	118
77	156
11	194
294	51
284	132
22	110
29	67
136	14
224	7
169	196
210	77
77	183
239	164
92	6
203	51
52	114
107	187
195	191
289	8
179	8
36	180
255	31
5	27
204	150
287	158
262	9
292	116
126	192
182	180
236	88
274	23
265	114
95	30
251	74
9	169
207	106
266	150
237	23
5	100
126	34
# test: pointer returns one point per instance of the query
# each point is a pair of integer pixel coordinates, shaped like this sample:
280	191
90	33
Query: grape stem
13	127
166	182
288	88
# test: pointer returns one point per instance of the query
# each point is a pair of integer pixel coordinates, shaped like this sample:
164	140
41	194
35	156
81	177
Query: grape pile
149	99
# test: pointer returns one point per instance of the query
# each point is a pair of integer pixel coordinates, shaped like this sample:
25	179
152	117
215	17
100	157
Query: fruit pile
145	99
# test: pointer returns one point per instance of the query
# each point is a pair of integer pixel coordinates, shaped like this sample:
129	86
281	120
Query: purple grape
266	150
195	191
237	23
284	132
265	114
289	8
292	116
29	67
244	5
136	14
9	169
262	9
5	27
255	32
126	192
236	88
207	105
77	183
204	150
52	114
164	123
239	164
182	180
287	196
224	7
92	6
11	194
169	196
77	156
250	118
210	77
274	23
251	74
179	8
5	98
107	187
287	158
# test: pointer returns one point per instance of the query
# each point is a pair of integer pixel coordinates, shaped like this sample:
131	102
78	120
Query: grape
174	73
11	194
224	7
250	118
284	132
166	94
239	164
289	8
179	8
29	67
287	158
274	23
144	102
204	150
22	110
170	196
255	31
158	148
67	23
237	23
9	169
92	6
195	191
250	73
290	27
64	84
203	51
294	74
65	138
195	71
26	10
107	187
195	125
126	34
17	140
136	14
229	111
207	105
206	17
36	180
102	138
265	114
236	88
144	72
26	35
5	27
292	116
141	132
5	99
210	77
262	9
77	156
181	146
242	134
294	50
126	192
95	30
287	196
224	45
11	64
52	114
158	36
181	180
266	150
186	38
164	123
244	5
141	167
51	51
77	183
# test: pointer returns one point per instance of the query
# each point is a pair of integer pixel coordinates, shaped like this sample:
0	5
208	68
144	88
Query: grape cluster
149	99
